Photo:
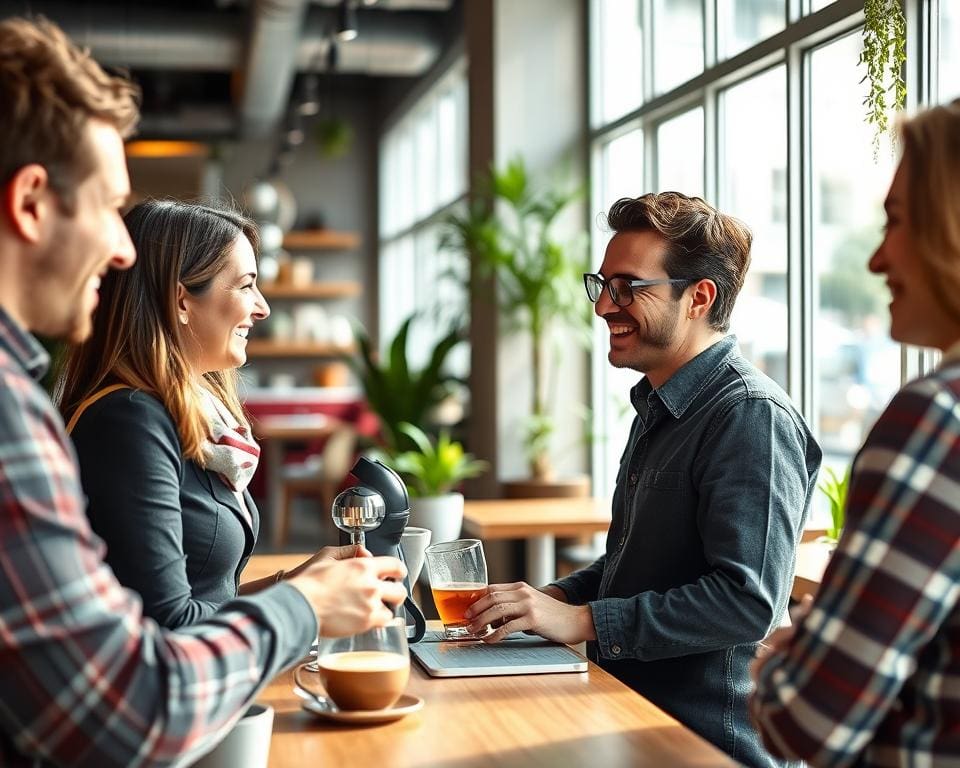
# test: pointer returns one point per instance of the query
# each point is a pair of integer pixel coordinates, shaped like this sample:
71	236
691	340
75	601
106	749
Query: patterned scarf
230	451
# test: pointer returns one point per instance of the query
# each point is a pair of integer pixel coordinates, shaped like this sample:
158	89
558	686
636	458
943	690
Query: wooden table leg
541	560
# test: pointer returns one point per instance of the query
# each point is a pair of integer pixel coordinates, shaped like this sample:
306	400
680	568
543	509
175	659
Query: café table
554	721
278	431
538	522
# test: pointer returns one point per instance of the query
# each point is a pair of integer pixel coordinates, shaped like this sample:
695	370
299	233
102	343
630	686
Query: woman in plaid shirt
871	675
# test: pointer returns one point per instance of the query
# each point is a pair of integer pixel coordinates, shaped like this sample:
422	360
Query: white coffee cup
413	542
247	745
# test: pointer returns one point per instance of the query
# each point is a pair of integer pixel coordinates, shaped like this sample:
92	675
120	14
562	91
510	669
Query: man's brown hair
49	89
701	243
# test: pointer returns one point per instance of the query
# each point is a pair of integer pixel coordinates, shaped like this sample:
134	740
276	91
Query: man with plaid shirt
85	679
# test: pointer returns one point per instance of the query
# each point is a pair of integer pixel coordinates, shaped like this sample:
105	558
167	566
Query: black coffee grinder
374	514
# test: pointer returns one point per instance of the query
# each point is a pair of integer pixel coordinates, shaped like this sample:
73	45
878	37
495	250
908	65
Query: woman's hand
331	554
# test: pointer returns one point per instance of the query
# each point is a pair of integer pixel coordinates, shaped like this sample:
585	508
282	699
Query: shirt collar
680	390
23	347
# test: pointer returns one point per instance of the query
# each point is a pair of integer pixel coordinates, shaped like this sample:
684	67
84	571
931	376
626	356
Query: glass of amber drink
458	578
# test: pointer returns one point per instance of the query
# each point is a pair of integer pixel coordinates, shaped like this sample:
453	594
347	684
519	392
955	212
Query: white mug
247	745
413	542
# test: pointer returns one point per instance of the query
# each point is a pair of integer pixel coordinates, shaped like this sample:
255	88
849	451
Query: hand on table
779	638
352	595
518	607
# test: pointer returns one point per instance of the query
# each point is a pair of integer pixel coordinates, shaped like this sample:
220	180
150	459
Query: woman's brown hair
931	151
136	338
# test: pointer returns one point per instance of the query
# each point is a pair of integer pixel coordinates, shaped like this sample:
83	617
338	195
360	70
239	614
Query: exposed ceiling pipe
144	37
275	32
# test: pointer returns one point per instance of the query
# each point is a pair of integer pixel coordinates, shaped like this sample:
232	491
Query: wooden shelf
270	348
325	290
320	240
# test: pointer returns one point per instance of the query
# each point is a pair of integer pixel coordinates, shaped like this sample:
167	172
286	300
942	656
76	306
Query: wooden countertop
553	721
519	518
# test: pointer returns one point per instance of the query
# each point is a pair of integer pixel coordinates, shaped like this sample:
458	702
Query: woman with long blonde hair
151	402
871	674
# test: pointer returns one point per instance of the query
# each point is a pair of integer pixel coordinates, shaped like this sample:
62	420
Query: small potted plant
835	489
432	472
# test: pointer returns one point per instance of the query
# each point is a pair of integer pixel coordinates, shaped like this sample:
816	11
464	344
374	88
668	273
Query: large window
680	153
949	45
780	143
741	23
856	366
423	172
752	183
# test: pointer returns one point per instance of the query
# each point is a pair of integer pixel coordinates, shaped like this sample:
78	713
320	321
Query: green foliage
884	54
508	233
435	468
334	137
396	392
835	489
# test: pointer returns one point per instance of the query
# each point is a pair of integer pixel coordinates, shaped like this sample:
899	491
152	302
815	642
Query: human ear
27	202
702	296
183	309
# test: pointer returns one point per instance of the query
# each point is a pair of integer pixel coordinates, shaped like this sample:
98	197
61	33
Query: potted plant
508	231
432	472
395	391
835	489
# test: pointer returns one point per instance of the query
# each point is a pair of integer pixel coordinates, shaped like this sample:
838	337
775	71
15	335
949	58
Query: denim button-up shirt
711	497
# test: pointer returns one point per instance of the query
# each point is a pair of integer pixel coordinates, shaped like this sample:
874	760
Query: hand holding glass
458	578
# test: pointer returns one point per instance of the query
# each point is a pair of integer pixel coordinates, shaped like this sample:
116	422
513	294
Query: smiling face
83	243
917	315
218	320
645	334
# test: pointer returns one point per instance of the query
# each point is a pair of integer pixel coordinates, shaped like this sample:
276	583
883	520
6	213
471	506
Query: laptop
518	654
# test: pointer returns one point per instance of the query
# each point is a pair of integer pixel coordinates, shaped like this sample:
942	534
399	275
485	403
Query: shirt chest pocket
662	480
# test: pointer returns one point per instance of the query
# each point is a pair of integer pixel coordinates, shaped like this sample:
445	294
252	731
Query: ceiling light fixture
346	22
308	97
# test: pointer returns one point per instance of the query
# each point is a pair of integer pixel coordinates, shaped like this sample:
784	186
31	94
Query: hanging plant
884	54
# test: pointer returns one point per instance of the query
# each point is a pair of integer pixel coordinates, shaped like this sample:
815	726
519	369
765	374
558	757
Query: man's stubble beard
649	343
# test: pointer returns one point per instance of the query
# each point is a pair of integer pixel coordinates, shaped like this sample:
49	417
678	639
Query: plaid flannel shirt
872	675
85	679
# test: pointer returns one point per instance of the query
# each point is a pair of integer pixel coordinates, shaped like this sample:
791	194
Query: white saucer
403	706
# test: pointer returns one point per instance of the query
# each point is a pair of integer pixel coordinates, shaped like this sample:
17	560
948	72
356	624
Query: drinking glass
367	670
458	578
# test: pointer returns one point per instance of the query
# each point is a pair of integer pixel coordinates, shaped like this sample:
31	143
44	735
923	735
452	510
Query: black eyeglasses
621	289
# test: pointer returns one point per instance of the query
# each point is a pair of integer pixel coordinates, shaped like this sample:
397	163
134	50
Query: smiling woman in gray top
151	401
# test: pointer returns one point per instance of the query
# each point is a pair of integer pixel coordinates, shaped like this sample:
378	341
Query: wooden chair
319	476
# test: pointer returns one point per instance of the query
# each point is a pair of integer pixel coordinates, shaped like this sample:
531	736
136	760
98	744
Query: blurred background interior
359	134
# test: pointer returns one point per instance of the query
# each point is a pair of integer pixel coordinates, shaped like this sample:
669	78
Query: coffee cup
247	745
413	543
368	671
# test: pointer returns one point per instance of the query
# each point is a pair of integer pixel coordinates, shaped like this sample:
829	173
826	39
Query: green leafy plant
508	232
436	467
397	392
835	489
884	54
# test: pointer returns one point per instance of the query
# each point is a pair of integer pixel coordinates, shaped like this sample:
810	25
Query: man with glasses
85	679
713	488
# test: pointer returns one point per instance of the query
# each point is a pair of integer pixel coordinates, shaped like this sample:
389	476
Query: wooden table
277	431
553	721
538	521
